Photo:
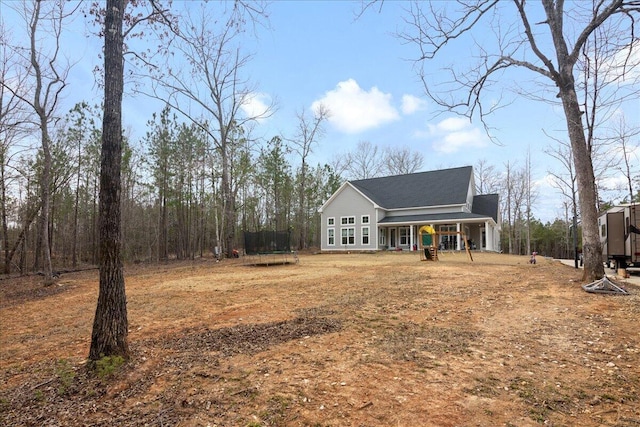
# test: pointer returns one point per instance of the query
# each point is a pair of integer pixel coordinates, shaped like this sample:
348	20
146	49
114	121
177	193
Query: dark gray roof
432	188
431	218
486	205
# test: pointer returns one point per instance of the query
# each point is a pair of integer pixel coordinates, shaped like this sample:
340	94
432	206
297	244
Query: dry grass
337	340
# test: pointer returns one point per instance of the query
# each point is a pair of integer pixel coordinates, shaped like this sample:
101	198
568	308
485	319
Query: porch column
459	247
411	237
488	233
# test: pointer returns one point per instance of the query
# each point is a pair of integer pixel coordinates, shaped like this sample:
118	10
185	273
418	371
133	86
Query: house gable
349	221
347	201
346	187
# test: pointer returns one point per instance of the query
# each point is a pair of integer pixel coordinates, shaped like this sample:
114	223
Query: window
331	221
347	220
348	236
365	219
404	236
603	231
331	237
448	241
365	235
382	237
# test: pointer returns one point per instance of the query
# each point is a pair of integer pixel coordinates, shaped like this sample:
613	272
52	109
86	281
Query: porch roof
435	218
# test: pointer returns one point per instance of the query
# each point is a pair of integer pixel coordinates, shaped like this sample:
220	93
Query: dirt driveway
336	340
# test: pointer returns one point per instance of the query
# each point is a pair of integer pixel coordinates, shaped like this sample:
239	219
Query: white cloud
455	134
623	66
354	110
256	105
452	124
412	104
617	182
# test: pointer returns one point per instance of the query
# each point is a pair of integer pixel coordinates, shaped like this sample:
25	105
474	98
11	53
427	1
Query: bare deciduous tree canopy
544	38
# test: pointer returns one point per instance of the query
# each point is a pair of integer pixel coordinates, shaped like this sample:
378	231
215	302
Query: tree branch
552	72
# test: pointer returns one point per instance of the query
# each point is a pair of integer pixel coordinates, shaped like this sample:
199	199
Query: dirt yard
336	340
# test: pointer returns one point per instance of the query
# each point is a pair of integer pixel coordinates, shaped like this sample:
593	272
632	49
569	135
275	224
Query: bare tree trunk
3	208
591	247
163	239
529	200
95	232
110	325
23	253
76	203
45	247
228	203
45	184
510	221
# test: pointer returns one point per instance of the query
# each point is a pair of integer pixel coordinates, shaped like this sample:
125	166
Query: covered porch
401	233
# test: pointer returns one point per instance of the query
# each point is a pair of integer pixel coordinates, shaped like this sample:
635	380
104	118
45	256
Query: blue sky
317	51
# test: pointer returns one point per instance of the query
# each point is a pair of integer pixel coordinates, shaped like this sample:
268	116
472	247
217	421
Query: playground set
428	242
268	247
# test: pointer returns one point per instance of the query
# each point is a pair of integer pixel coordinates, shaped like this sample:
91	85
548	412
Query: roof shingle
433	188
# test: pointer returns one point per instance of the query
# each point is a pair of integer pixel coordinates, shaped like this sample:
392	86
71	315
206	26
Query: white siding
349	203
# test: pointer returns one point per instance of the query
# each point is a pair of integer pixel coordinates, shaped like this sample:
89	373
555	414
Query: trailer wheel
619	263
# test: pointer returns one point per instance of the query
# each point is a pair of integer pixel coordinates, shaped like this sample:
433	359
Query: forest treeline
199	177
172	203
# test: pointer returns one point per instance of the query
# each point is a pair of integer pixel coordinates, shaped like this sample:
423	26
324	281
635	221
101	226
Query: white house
386	213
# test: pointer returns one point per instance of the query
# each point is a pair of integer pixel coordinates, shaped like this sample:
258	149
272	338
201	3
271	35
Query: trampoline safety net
267	242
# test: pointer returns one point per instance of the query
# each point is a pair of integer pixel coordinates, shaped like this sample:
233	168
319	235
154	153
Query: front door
392	238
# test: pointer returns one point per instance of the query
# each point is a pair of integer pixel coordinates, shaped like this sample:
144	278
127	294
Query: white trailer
620	236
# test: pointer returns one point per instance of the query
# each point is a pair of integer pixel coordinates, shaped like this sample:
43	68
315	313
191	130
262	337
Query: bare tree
521	44
401	160
213	86
309	131
487	177
603	85
565	180
530	197
339	164
517	194
629	151
514	204
13	126
365	161
46	71
507	204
